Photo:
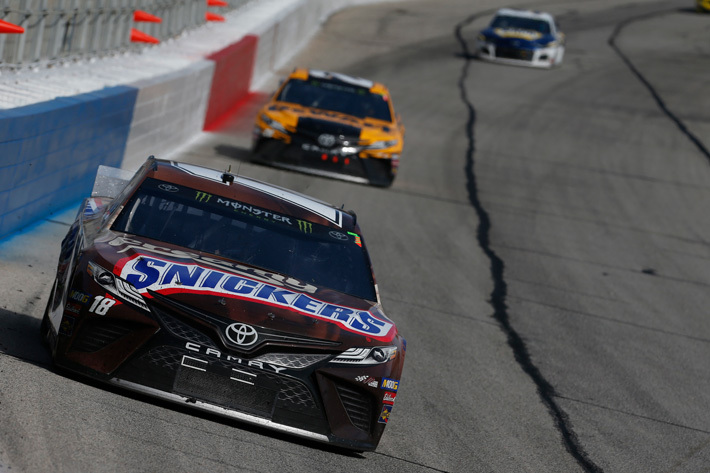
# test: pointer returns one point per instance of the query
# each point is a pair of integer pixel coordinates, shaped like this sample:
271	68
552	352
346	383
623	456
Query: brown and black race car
228	295
333	125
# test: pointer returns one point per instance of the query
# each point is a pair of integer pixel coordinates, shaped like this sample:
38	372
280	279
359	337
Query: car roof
526	14
372	86
252	191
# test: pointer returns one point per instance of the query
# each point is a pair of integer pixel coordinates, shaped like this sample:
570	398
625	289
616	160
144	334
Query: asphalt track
545	250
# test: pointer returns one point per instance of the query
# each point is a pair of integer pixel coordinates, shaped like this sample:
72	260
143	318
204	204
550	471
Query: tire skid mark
497	267
410	462
637	416
656	96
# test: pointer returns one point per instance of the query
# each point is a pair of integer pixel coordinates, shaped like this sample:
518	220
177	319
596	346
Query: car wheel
45	328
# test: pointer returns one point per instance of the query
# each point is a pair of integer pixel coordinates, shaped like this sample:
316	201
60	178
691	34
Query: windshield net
241	232
337	97
518	23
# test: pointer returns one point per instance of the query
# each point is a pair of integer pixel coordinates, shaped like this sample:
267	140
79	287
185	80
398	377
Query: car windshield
520	23
337	97
309	252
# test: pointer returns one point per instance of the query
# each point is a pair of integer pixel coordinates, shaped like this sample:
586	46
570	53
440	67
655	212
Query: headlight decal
275	124
382	144
115	285
366	356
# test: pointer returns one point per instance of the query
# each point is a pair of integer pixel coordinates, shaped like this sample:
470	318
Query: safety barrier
51	31
50	151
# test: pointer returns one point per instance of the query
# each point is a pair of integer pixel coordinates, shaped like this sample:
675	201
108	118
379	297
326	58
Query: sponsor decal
161	275
93	206
304	226
241	334
317	112
390	384
327	212
202	196
79	296
368	380
326	140
66	327
528	35
389	398
344	151
254	211
72	307
101	305
252	273
358	241
338	235
385	414
168	188
234	359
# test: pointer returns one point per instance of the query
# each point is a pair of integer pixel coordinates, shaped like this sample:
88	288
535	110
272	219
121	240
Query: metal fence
62	30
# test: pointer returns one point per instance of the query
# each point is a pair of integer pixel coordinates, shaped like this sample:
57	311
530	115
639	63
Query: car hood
294	116
200	283
524	37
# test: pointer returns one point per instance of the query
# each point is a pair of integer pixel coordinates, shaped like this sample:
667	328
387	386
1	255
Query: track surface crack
497	267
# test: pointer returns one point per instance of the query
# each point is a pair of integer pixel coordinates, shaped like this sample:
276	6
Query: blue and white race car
522	37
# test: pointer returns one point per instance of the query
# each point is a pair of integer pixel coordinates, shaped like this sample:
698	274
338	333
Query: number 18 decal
101	305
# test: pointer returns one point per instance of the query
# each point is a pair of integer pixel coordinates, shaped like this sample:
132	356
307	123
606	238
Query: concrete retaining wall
169	110
231	80
49	152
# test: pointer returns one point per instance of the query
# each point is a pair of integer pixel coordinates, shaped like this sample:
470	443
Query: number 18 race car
331	125
228	295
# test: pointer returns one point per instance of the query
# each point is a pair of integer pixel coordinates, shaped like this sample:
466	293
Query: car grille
97	334
512	53
224	391
357	405
291	360
314	127
168	312
180	329
288	392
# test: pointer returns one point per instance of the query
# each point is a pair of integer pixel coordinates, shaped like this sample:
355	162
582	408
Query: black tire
45	328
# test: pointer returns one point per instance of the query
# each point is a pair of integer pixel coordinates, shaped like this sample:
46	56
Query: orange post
213	17
140	37
145	17
6	27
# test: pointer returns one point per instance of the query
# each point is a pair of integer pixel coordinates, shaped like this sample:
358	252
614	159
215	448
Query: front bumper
531	57
337	162
299	393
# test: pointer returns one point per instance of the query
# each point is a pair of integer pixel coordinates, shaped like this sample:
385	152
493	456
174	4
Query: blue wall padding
49	152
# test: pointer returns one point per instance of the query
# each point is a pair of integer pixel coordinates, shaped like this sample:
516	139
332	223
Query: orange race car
332	125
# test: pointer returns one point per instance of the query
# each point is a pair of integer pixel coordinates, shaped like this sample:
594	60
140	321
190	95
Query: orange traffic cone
141	16
217	3
140	37
6	27
213	17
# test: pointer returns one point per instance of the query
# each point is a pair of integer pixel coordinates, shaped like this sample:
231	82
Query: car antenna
227	177
239	168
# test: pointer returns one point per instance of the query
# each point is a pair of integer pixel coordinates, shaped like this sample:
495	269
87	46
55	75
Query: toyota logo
241	334
338	235
326	140
168	188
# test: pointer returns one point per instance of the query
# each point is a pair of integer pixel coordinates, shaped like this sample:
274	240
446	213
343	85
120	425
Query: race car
333	125
702	6
521	37
229	295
